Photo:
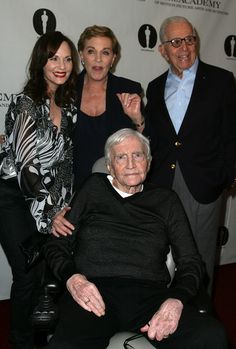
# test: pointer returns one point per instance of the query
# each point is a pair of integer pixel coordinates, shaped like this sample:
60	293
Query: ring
87	301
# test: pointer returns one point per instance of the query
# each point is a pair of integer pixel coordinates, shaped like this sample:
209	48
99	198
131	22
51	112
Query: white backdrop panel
214	21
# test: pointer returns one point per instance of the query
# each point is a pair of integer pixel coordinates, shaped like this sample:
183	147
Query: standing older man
114	262
191	111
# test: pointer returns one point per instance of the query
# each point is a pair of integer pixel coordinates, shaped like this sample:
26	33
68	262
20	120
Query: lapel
110	91
161	104
194	106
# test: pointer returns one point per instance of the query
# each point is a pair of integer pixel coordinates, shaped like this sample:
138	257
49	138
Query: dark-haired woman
36	171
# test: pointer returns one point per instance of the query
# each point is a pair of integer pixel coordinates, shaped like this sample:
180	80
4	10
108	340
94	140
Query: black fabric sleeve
58	251
189	266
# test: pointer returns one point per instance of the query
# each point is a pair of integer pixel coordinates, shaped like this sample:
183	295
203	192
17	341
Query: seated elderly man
114	261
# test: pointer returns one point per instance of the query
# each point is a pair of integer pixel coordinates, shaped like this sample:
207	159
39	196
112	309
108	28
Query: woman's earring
82	62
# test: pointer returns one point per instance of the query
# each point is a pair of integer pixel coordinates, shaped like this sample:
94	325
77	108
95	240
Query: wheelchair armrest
202	301
52	287
45	313
51	284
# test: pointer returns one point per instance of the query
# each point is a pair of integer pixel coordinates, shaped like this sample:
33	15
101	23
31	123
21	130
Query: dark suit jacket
112	120
205	146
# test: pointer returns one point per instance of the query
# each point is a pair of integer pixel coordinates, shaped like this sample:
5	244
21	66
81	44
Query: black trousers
16	224
129	305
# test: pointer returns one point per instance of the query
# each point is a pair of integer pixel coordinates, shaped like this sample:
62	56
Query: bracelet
141	124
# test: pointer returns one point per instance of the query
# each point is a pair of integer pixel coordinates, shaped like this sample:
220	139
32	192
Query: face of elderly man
183	57
129	165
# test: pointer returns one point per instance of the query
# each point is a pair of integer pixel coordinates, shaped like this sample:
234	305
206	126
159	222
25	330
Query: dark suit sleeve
147	113
229	127
189	266
58	252
150	111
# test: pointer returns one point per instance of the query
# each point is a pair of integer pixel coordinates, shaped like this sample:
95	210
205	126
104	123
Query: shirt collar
122	193
192	70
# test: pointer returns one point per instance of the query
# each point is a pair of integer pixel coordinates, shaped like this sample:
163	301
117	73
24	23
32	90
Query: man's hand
165	321
61	226
86	294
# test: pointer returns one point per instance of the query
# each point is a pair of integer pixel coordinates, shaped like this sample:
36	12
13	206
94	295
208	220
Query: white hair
120	136
173	19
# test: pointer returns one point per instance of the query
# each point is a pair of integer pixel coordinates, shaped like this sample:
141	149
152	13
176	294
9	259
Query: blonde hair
96	31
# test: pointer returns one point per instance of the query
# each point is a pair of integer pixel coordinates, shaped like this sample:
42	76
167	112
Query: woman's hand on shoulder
2	139
61	226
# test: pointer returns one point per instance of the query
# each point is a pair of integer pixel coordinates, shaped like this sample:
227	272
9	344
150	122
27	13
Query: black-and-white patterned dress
40	156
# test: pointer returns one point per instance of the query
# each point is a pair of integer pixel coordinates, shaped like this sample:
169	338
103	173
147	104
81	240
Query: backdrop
136	24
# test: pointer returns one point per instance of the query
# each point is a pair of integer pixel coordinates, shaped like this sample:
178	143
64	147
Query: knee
212	335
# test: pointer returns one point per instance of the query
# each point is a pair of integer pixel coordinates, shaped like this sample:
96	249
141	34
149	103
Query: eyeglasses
177	42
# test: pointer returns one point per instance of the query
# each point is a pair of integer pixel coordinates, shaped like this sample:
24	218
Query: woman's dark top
91	133
127	238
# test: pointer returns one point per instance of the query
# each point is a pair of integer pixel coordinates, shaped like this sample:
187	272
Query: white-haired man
114	261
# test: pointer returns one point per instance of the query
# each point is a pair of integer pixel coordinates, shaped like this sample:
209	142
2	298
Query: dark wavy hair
36	86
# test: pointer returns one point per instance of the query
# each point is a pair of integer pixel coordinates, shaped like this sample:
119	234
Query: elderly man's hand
165	321
61	226
86	294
